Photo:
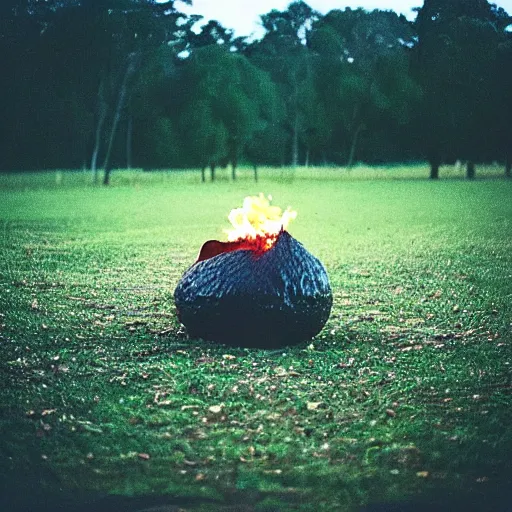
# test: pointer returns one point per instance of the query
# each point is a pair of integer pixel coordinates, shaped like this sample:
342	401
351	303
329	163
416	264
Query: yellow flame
258	218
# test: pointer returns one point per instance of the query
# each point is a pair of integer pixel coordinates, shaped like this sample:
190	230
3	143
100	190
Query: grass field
404	398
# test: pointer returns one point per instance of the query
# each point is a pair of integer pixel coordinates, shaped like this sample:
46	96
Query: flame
258	222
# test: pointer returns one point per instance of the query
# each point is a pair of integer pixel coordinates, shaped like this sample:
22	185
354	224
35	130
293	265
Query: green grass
405	396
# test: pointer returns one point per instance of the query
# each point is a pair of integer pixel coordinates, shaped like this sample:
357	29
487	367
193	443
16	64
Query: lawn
404	398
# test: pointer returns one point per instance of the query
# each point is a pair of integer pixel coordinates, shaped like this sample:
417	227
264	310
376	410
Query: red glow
258	244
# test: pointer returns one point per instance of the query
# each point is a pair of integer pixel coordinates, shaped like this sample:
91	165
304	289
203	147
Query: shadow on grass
43	503
38	493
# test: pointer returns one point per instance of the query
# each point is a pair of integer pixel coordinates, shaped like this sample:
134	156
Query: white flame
258	217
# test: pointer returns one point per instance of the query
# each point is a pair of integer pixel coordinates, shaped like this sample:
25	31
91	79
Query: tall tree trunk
129	134
470	170
130	69
234	165
434	168
306	163
352	154
102	114
203	177
212	171
508	167
255	167
295	141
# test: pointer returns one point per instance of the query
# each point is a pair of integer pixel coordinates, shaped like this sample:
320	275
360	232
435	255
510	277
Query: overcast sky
243	15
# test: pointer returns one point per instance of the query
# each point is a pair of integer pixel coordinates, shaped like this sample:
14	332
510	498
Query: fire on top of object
258	223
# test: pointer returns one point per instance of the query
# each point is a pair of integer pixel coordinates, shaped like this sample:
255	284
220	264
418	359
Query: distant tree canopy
100	84
460	64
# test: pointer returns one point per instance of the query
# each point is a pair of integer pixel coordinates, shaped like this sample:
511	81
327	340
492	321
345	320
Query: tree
138	29
22	29
283	52
227	102
364	74
503	98
456	58
211	34
72	68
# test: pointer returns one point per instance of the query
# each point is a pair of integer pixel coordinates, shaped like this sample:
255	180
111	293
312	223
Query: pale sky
243	15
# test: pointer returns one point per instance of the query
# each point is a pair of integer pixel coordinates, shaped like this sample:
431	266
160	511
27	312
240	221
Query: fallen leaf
422	474
89	427
144	456
313	406
215	409
391	413
411	347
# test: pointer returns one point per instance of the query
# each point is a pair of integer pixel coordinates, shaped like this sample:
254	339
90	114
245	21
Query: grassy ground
405	396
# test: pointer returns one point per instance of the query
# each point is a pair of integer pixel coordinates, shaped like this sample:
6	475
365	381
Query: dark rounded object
256	299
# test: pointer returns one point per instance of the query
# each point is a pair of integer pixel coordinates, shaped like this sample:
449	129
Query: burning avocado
262	290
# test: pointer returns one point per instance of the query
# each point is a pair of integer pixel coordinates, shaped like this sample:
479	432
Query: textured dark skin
256	299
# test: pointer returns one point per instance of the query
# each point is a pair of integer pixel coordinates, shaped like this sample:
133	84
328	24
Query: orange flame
258	222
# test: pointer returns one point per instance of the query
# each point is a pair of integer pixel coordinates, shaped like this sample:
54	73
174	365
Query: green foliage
229	101
403	398
128	82
364	78
458	66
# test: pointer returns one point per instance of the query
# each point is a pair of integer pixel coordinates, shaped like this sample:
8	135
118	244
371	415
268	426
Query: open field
405	396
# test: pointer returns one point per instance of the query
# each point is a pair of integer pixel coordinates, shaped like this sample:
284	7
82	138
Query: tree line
100	84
